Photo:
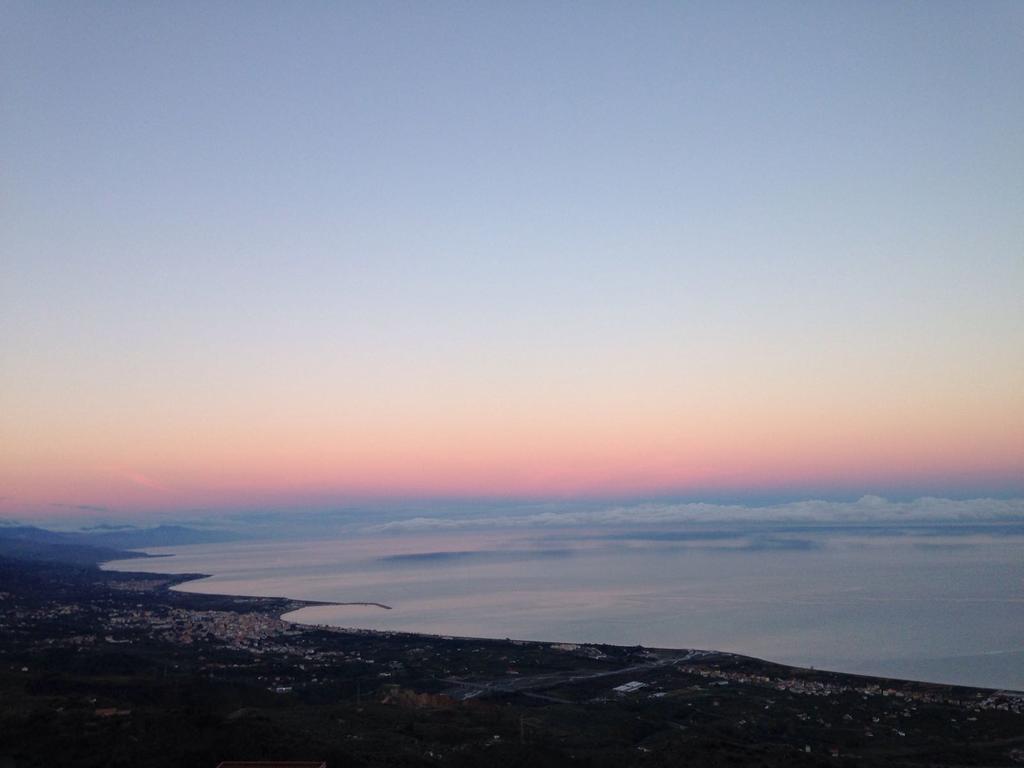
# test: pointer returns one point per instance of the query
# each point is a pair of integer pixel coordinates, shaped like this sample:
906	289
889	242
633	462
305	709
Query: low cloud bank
867	509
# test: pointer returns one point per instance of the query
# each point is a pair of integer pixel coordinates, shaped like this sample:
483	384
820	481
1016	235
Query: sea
942	604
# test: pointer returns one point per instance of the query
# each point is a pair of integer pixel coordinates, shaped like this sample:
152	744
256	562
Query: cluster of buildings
238	630
262	633
1006	701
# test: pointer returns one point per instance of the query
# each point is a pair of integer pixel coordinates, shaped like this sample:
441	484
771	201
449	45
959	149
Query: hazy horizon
467	514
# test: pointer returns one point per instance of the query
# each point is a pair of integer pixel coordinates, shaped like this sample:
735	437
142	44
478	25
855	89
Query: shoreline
176	580
121	657
293	605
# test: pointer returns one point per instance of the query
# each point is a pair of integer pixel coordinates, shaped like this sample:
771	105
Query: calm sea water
946	608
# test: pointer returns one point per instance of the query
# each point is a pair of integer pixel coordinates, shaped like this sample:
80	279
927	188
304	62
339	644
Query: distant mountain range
98	544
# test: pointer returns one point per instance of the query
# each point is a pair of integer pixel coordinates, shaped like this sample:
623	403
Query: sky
268	255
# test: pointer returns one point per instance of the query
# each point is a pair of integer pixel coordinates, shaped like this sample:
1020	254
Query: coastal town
117	654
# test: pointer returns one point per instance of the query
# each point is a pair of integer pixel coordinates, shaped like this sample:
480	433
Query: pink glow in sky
347	254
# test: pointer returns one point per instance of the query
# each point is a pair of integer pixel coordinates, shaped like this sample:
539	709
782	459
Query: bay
945	607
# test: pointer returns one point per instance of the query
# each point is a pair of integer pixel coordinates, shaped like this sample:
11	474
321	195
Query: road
531	684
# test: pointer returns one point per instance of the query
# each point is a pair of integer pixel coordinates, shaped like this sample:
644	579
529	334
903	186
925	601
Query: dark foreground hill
113	669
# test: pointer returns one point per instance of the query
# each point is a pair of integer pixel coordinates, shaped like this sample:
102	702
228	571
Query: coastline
122	657
281	607
176	580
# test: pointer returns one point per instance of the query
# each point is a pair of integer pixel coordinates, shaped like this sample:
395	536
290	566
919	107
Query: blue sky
264	250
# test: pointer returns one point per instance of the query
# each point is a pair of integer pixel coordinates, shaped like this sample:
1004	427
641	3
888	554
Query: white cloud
865	509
